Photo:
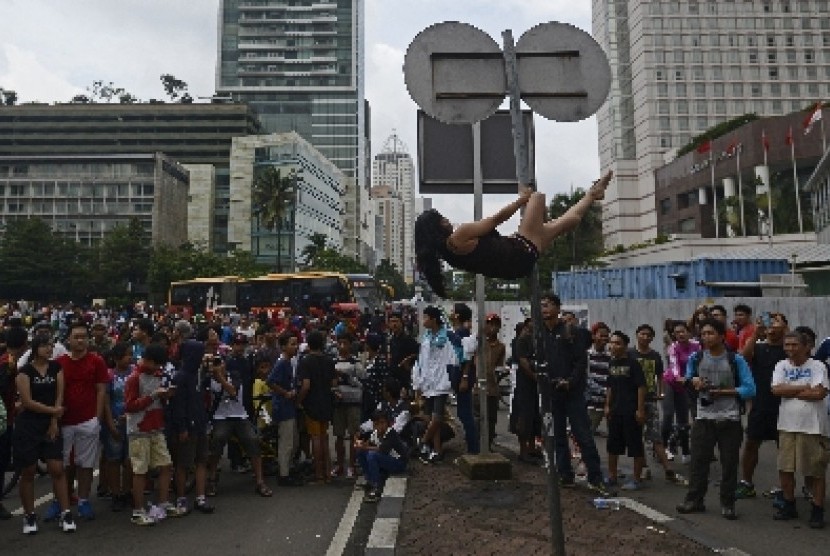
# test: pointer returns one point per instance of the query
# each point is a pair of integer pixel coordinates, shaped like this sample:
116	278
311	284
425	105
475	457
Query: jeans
464	410
377	466
571	409
676	407
728	436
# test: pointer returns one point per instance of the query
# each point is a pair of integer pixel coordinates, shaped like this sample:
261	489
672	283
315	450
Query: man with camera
232	385
721	378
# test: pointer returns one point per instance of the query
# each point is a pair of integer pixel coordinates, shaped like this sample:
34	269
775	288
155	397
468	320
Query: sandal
263	490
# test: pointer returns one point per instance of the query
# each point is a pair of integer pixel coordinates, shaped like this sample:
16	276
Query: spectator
384	454
676	400
465	345
742	318
349	396
282	383
802	385
525	421
114	437
721	378
598	359
318	378
15	346
496	354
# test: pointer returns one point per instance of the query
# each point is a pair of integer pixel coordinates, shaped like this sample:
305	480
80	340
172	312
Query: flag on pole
789	139
705	147
814	116
764	141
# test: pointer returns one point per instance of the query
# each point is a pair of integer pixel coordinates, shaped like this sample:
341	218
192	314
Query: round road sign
564	74
455	73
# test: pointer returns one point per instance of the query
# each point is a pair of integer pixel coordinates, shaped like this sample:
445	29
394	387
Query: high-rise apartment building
393	176
300	65
680	68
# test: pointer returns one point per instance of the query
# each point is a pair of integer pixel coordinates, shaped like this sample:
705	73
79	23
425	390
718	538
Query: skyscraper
300	65
679	68
393	179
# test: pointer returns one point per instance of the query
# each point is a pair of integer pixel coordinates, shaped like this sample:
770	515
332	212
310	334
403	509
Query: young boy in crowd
144	398
382	455
802	384
625	410
115	431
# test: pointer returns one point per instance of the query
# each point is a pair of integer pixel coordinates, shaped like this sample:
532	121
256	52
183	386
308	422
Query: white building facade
680	68
393	177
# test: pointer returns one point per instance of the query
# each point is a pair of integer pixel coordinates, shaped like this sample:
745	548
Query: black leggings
676	407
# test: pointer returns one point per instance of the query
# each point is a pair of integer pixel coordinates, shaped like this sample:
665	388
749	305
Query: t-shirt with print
42	389
652	365
718	372
806	416
598	362
624	378
81	377
116	389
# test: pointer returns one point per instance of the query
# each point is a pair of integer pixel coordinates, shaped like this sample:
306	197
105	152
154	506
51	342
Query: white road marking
43	499
644	510
344	530
395	487
384	533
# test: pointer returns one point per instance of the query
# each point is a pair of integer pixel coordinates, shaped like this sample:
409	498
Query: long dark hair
430	238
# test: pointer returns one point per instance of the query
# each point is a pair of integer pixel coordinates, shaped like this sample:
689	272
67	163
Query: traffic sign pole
520	148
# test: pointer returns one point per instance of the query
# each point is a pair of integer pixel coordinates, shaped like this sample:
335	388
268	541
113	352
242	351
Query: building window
794	87
678	57
679	89
753	56
775	89
811	72
789	41
791	57
663	107
806	22
662	90
770	40
697	57
701	123
665	141
700	89
665	205
737	89
755	89
660	74
717	72
777	107
683	124
701	107
697	73
772	57
688	226
809	56
678	75
665	124
773	74
717	89
738	106
682	107
720	107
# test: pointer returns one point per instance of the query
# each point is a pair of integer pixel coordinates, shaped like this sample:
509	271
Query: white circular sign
455	73
564	74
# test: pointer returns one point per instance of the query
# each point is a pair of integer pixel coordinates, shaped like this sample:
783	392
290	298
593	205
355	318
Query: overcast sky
51	50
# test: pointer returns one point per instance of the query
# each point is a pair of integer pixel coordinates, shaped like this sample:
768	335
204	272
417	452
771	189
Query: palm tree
316	244
272	195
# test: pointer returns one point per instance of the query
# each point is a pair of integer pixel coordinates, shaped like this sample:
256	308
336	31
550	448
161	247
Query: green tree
173	87
316	243
125	260
273	194
334	261
387	273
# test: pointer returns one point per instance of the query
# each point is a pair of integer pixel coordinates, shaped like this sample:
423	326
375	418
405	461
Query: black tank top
44	389
496	256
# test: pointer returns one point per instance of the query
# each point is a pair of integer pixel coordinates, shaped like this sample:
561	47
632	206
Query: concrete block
486	467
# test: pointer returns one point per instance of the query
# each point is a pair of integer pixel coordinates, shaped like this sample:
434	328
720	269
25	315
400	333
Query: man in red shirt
85	378
742	317
718	312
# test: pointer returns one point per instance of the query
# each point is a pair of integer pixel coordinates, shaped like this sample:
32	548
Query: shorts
625	435
807	453
115	450
435	407
193	451
346	418
761	425
148	452
314	427
82	440
29	443
242	429
651	428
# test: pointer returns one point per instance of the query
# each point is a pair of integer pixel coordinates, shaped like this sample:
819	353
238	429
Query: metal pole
740	188
481	353
795	184
769	198
714	194
523	176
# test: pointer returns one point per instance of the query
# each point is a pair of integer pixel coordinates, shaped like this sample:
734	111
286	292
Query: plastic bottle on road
606	504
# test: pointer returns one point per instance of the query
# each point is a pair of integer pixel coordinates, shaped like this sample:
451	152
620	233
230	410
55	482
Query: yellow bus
202	295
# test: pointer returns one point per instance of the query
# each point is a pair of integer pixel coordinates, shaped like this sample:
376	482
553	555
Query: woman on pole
478	248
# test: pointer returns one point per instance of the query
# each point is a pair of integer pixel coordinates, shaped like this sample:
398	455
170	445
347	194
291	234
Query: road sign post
457	74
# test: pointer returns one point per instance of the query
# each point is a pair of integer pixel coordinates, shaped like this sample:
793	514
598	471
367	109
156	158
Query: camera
705	398
216	360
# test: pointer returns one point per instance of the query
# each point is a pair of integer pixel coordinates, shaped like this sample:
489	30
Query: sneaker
786	511
336	471
645	474
350	472
53	512
85	510
157	513
728	512
30	524
211	487
690	507
373	495
172	510
631	485
435	458
140	517
676	478
119	503
745	490
602	488
67	522
816	517
203	506
669	455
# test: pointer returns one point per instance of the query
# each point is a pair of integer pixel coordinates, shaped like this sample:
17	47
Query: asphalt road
755	532
295	521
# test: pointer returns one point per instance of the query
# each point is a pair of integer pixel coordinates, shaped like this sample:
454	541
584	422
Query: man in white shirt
802	384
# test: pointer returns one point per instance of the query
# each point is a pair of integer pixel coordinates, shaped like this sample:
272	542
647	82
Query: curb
384	534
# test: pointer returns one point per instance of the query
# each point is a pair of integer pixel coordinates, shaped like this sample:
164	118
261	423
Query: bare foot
597	191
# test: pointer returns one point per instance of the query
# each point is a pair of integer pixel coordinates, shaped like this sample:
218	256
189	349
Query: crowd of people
156	402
